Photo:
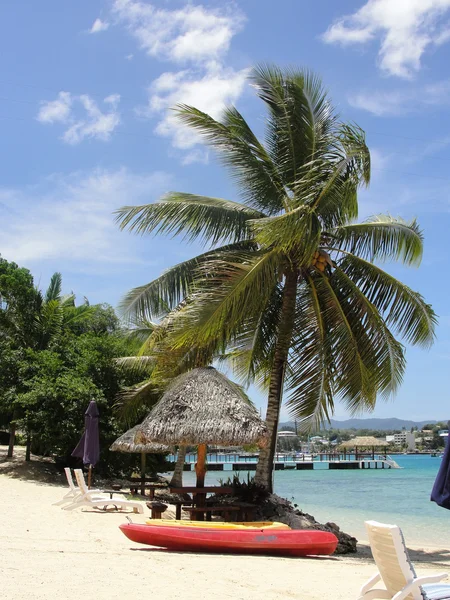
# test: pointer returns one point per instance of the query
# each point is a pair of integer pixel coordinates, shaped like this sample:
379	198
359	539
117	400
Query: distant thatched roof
126	443
203	407
366	441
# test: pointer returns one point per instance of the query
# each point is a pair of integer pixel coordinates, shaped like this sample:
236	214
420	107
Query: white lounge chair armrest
404	593
431	578
376	595
369	585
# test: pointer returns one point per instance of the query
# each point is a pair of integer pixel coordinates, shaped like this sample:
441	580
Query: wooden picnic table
199	508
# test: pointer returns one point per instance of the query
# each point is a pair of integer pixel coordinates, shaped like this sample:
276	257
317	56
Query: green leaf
382	237
240	150
163	294
211	219
405	310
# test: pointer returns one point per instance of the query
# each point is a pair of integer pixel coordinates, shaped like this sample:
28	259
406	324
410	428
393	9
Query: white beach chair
73	492
91	498
396	571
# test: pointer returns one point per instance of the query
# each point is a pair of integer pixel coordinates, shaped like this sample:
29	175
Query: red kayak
290	542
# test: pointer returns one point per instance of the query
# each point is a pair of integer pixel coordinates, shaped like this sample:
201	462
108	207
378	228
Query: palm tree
291	285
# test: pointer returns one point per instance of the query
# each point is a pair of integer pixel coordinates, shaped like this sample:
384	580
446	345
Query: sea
350	497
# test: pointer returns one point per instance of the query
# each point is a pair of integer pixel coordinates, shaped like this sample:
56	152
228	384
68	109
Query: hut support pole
200	470
200	466
143	462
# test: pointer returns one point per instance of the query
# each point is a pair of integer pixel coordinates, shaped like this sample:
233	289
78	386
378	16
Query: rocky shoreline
275	508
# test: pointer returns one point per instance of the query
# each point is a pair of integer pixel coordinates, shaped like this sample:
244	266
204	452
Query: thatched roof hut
366	441
203	407
126	443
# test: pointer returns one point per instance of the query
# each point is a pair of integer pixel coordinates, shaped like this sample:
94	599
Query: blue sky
85	89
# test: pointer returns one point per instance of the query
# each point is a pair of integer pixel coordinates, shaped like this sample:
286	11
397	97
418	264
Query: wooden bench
200	512
142	485
198	498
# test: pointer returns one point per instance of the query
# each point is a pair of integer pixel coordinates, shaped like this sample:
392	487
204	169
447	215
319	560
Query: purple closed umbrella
441	489
88	448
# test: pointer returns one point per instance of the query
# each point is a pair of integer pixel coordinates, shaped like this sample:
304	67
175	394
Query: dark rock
275	508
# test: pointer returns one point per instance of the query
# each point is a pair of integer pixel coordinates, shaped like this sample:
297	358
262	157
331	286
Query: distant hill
381	424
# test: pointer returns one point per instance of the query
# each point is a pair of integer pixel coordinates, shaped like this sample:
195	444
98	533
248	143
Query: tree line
55	357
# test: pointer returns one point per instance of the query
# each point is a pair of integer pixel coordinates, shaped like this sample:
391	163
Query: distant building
286	434
402	438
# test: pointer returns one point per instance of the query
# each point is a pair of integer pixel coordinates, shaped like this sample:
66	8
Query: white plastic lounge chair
73	492
396	571
92	499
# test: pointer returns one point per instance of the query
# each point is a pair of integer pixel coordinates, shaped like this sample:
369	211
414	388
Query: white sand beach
47	553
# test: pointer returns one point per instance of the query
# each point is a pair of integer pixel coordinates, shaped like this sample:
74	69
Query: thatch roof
126	443
203	407
366	441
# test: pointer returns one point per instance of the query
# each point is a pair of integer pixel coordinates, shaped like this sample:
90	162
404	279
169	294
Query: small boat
261	525
291	542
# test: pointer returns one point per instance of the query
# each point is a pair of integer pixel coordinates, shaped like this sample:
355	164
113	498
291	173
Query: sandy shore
46	552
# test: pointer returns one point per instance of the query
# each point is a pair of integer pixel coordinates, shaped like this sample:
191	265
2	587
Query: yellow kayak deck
217	524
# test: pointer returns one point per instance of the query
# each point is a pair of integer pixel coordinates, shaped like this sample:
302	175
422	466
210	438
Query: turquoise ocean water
348	498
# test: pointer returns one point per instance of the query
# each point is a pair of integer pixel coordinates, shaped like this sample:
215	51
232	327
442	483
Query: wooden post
143	461
89	477
200	470
200	465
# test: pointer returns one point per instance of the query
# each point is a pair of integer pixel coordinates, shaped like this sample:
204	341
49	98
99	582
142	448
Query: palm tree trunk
28	448
177	477
12	439
264	468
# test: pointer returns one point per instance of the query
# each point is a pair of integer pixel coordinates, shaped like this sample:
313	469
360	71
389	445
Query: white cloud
402	102
407	28
57	110
70	217
91	123
197	37
98	26
191	33
195	156
209	93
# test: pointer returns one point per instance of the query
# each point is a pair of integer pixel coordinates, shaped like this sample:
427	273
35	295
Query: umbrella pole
200	467
89	477
143	461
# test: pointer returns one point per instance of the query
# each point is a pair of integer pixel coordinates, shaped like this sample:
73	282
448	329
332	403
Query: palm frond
240	150
136	365
296	233
355	383
227	296
300	117
253	349
310	377
132	403
73	315
213	220
163	294
379	349
54	289
403	309
382	237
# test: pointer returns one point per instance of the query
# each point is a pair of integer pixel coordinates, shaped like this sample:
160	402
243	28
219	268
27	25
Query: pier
284	462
